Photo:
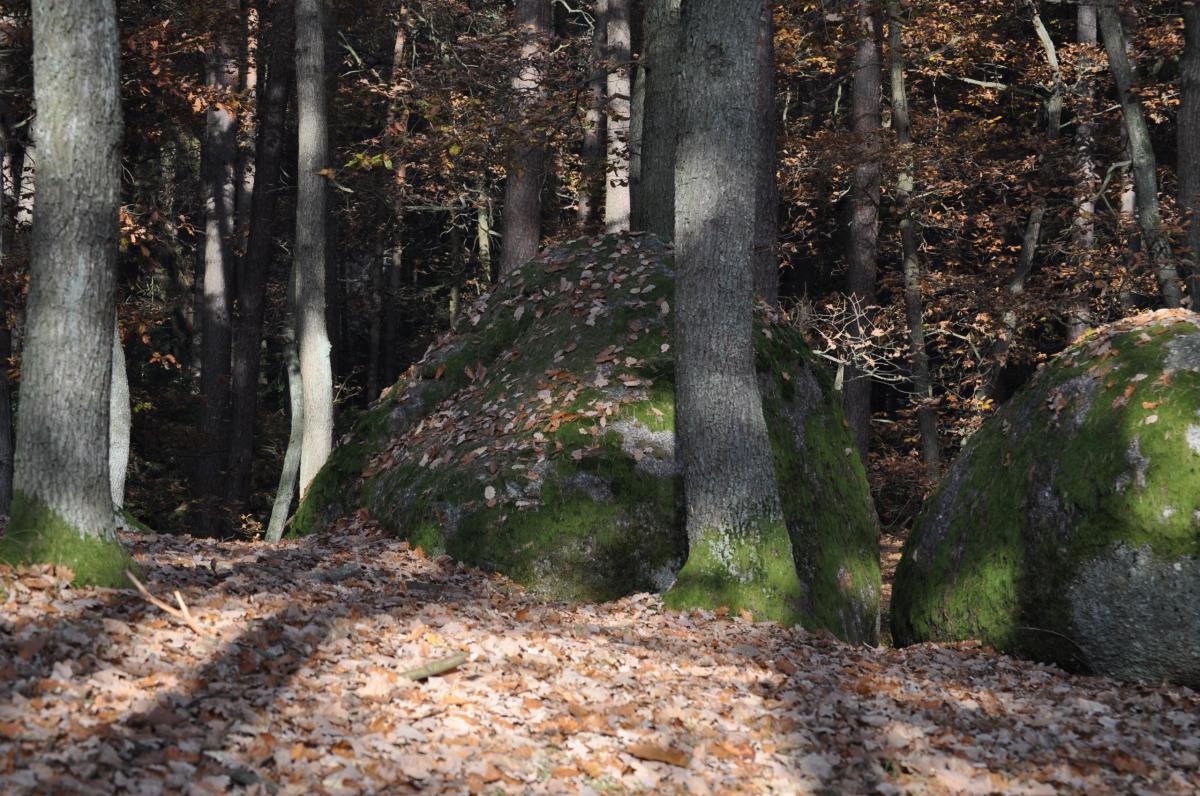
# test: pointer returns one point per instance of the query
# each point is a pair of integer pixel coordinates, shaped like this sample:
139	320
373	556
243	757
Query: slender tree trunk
398	131
594	128
311	220
766	195
274	90
62	508
1141	152
285	493
740	553
483	233
120	421
990	381
220	160
654	200
7	223
375	332
527	161
1083	226
1189	143
1054	103
866	121
914	306
620	90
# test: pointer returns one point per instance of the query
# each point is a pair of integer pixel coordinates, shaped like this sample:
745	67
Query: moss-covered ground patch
37	534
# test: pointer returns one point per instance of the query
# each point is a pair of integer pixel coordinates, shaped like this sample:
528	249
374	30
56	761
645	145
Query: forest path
298	690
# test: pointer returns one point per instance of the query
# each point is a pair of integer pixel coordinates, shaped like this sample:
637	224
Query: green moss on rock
37	534
1069	528
539	442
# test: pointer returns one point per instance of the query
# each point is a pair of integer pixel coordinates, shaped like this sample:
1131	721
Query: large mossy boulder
538	441
1069	528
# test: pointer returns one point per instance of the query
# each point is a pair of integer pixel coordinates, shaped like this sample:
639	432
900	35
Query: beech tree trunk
766	195
1083	226
740	553
1141	152
285	493
220	181
276	23
312	216
120	421
393	281
6	418
1189	143
527	161
62	509
594	127
865	122
620	91
914	305
654	198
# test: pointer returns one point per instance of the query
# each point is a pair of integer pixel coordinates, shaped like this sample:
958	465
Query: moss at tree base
37	534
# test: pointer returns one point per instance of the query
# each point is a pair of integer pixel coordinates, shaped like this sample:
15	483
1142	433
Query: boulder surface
538	441
1068	530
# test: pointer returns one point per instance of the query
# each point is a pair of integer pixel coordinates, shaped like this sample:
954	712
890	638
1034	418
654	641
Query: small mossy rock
1068	530
538	441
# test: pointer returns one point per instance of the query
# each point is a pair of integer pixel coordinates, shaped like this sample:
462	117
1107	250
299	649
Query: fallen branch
181	613
434	668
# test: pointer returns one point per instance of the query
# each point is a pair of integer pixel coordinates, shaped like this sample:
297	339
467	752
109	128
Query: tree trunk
1083	226
1189	143
740	553
914	306
527	160
766	195
483	233
6	418
1141	152
594	128
62	508
865	121
398	131
620	90
120	421
654	199
220	160
285	493
311	219
274	89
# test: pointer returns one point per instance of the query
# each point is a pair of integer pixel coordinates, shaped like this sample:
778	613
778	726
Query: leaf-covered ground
291	682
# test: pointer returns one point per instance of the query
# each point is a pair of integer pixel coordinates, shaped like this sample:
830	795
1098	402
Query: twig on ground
434	668
182	613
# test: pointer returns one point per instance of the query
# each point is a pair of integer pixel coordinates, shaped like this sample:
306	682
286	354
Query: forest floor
284	674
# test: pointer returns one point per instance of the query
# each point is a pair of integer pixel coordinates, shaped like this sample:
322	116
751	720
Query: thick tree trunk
766	194
285	493
311	220
527	160
740	553
594	127
120	421
1189	143
620	91
62	508
654	198
1083	226
1141	152
274	89
6	418
220	160
914	306
865	122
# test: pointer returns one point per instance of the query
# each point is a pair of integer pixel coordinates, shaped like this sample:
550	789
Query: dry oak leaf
661	754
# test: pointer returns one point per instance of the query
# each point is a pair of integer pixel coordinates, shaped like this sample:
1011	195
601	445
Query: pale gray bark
620	89
393	279
1054	103
6	418
1083	225
120	422
285	493
654	199
1141	152
863	248
766	195
728	471
522	218
594	127
1189	143
914	306
312	216
62	432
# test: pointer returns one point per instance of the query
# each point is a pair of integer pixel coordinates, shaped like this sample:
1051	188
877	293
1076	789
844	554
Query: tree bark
740	553
1083	226
285	493
865	122
1141	152
1189	143
654	199
62	508
914	306
276	23
311	220
620	90
594	127
398	131
527	161
220	179
6	418
766	194
120	421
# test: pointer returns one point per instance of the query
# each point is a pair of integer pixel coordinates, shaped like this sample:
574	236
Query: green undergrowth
37	534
